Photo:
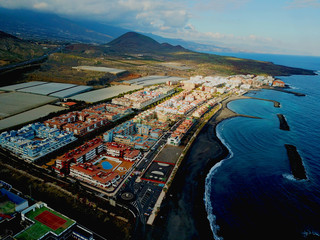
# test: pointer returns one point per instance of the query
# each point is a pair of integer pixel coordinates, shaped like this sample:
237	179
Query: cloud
191	33
219	4
303	4
135	14
252	42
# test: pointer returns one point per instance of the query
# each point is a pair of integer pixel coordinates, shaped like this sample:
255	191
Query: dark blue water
252	194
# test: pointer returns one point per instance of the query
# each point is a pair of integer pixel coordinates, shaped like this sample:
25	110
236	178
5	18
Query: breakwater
290	92
276	104
285	91
296	164
283	123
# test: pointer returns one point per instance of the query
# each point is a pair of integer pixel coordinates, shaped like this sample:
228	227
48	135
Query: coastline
183	214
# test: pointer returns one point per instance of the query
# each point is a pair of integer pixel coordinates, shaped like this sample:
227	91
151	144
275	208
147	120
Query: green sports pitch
41	226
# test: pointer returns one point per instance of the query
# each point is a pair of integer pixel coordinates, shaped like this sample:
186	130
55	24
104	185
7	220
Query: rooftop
39	228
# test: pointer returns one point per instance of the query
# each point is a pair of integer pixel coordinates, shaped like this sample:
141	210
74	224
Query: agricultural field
28	116
99	69
104	93
46	89
151	80
16	102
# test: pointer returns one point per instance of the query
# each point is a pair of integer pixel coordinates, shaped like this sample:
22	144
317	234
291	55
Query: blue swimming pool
106	165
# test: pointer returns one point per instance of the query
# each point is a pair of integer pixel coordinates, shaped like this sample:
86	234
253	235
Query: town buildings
35	140
97	163
145	97
84	153
225	84
204	108
278	83
181	131
133	134
183	103
89	119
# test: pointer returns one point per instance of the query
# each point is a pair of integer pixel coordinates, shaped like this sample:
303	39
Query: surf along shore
183	215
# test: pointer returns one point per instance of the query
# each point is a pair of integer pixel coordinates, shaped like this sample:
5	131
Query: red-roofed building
132	156
68	104
278	83
84	153
91	174
116	149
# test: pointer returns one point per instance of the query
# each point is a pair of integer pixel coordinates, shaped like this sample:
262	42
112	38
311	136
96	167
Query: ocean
252	194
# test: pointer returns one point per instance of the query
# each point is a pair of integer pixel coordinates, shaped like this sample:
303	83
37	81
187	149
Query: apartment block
145	97
180	132
89	119
82	154
35	140
133	134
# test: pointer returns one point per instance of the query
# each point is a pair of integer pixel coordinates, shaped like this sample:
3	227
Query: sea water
252	194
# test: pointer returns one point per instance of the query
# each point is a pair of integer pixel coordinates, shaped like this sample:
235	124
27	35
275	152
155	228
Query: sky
262	26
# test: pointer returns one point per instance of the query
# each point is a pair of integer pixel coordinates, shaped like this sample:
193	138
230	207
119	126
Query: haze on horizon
276	27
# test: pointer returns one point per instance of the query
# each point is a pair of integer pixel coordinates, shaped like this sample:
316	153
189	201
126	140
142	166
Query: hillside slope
133	42
47	26
13	49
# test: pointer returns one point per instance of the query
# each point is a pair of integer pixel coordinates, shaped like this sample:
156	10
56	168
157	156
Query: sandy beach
183	215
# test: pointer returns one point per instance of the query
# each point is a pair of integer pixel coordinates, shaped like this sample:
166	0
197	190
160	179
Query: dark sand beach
183	215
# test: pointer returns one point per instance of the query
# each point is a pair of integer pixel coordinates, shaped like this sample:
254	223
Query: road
31	61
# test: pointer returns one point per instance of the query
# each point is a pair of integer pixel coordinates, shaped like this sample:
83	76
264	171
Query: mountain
132	42
13	49
46	26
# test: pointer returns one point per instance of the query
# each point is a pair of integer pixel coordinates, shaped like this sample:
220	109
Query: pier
296	164
283	123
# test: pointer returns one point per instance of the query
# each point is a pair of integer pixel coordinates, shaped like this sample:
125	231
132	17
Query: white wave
208	204
292	178
218	133
289	176
307	233
293	87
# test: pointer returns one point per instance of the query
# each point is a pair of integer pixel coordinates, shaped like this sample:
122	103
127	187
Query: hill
132	42
13	49
46	26
140	55
33	25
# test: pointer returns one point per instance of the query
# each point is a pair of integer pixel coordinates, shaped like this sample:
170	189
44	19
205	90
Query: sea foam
207	201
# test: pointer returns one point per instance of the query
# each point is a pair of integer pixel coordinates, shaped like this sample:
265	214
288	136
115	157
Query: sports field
7	207
45	220
51	220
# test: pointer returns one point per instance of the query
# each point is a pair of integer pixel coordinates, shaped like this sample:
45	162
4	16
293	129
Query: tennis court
49	219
